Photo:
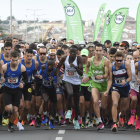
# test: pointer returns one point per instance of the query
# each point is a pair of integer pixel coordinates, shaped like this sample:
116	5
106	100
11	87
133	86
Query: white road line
61	132
59	138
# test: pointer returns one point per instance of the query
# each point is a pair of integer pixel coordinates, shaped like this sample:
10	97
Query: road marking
61	132
59	138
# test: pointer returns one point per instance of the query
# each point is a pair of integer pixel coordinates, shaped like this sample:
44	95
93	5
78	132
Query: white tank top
133	82
70	74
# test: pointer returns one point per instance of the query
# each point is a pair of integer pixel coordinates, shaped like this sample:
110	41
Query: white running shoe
20	127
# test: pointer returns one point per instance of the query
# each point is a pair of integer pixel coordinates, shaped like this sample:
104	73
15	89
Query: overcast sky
54	9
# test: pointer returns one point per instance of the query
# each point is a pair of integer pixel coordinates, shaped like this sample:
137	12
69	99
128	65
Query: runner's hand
2	79
39	76
99	77
62	76
106	93
123	82
51	78
85	80
72	65
58	83
21	85
138	81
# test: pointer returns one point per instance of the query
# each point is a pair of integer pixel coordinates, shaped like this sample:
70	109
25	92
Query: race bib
96	80
71	73
47	83
134	84
118	81
12	80
29	79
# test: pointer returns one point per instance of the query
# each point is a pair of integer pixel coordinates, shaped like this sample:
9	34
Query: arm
128	68
2	63
24	74
106	64
87	66
136	72
45	35
53	35
79	69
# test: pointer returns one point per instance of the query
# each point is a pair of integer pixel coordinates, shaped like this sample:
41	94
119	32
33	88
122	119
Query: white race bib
47	83
71	72
118	81
12	80
134	84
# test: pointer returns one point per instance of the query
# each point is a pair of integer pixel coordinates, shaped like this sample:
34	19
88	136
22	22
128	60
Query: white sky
54	9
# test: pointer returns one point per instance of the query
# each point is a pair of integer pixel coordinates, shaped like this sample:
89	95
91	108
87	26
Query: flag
138	25
98	21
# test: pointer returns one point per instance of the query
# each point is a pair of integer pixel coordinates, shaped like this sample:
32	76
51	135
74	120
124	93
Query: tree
8	18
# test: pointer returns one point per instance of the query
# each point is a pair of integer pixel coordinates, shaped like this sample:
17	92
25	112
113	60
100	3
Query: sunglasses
42	53
138	48
122	44
23	46
119	60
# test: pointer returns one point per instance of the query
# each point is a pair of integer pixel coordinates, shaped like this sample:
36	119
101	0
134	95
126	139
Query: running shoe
100	126
20	127
114	128
16	121
56	120
90	123
33	122
68	115
131	120
109	124
37	122
11	129
5	122
80	122
44	121
137	125
62	122
83	124
121	122
52	126
76	125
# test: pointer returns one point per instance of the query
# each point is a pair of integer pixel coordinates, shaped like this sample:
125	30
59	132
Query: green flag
138	25
98	21
117	24
74	21
107	29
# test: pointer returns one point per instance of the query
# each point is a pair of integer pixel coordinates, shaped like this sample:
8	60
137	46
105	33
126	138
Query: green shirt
97	70
89	74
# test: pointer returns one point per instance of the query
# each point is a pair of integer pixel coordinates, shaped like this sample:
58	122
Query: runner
85	95
47	89
99	74
31	69
73	70
12	89
120	73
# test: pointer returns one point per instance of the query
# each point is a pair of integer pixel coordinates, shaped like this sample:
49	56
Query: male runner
31	69
73	70
47	73
12	89
99	74
119	77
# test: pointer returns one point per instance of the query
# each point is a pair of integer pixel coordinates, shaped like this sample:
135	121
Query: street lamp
26	28
34	18
10	16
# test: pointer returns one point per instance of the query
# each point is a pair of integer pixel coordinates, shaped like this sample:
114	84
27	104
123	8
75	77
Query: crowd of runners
59	82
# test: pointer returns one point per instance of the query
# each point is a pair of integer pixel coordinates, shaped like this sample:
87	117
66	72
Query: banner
107	29
117	24
74	21
138	25
98	21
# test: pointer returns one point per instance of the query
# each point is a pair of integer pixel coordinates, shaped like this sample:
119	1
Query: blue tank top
139	65
119	75
29	70
12	78
45	80
2	58
40	64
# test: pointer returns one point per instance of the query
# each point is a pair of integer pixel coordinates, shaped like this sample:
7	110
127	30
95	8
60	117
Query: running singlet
71	74
119	75
12	78
97	70
40	64
2	58
29	70
45	78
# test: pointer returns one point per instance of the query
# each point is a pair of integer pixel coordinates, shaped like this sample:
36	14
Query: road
67	133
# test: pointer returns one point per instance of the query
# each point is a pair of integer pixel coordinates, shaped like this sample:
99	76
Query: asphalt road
67	133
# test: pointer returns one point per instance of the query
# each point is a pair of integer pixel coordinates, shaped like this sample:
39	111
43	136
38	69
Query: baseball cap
116	44
52	51
84	52
1	45
40	45
134	44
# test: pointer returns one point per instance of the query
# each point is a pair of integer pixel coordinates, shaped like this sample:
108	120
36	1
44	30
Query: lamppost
10	16
34	18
